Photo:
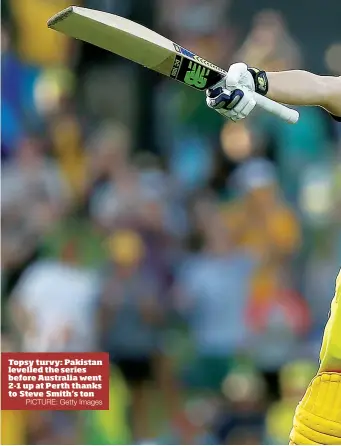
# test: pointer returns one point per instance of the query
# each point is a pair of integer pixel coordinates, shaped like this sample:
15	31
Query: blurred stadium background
202	255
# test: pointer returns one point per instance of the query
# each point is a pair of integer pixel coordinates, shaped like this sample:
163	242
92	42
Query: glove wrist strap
260	79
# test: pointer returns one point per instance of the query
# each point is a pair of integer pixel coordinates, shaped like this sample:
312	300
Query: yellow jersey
318	416
330	355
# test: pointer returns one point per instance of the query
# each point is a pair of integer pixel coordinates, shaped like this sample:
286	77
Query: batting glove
233	97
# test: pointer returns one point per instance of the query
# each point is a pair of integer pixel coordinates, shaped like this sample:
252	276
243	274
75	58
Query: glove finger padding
220	98
246	106
233	105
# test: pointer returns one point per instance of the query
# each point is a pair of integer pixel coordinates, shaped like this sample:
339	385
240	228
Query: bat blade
115	34
138	44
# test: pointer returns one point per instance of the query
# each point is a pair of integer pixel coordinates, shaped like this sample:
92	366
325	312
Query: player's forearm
304	88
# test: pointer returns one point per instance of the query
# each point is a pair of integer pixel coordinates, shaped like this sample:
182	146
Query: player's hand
233	104
234	96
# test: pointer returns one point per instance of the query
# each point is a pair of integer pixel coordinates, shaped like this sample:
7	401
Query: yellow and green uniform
318	416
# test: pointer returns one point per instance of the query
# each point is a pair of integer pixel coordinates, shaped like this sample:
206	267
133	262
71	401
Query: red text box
55	381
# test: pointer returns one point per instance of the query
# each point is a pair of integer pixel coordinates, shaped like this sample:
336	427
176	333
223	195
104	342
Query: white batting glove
233	97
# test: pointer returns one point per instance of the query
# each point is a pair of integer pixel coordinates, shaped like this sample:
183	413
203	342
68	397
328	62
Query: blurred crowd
200	254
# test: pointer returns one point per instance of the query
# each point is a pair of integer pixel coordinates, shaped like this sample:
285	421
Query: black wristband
260	79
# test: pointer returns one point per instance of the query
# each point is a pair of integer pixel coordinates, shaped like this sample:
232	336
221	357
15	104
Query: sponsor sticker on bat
208	64
190	55
196	75
176	67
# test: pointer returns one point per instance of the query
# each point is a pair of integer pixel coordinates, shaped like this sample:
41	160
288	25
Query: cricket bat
148	48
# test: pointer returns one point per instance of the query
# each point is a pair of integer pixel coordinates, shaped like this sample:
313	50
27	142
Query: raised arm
304	88
233	97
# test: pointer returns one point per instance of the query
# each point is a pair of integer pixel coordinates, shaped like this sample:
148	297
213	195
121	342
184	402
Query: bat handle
287	114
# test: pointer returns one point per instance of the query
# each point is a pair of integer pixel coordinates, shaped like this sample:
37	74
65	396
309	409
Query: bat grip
287	114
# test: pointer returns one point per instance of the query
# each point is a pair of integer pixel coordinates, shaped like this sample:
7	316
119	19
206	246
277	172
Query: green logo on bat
196	76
